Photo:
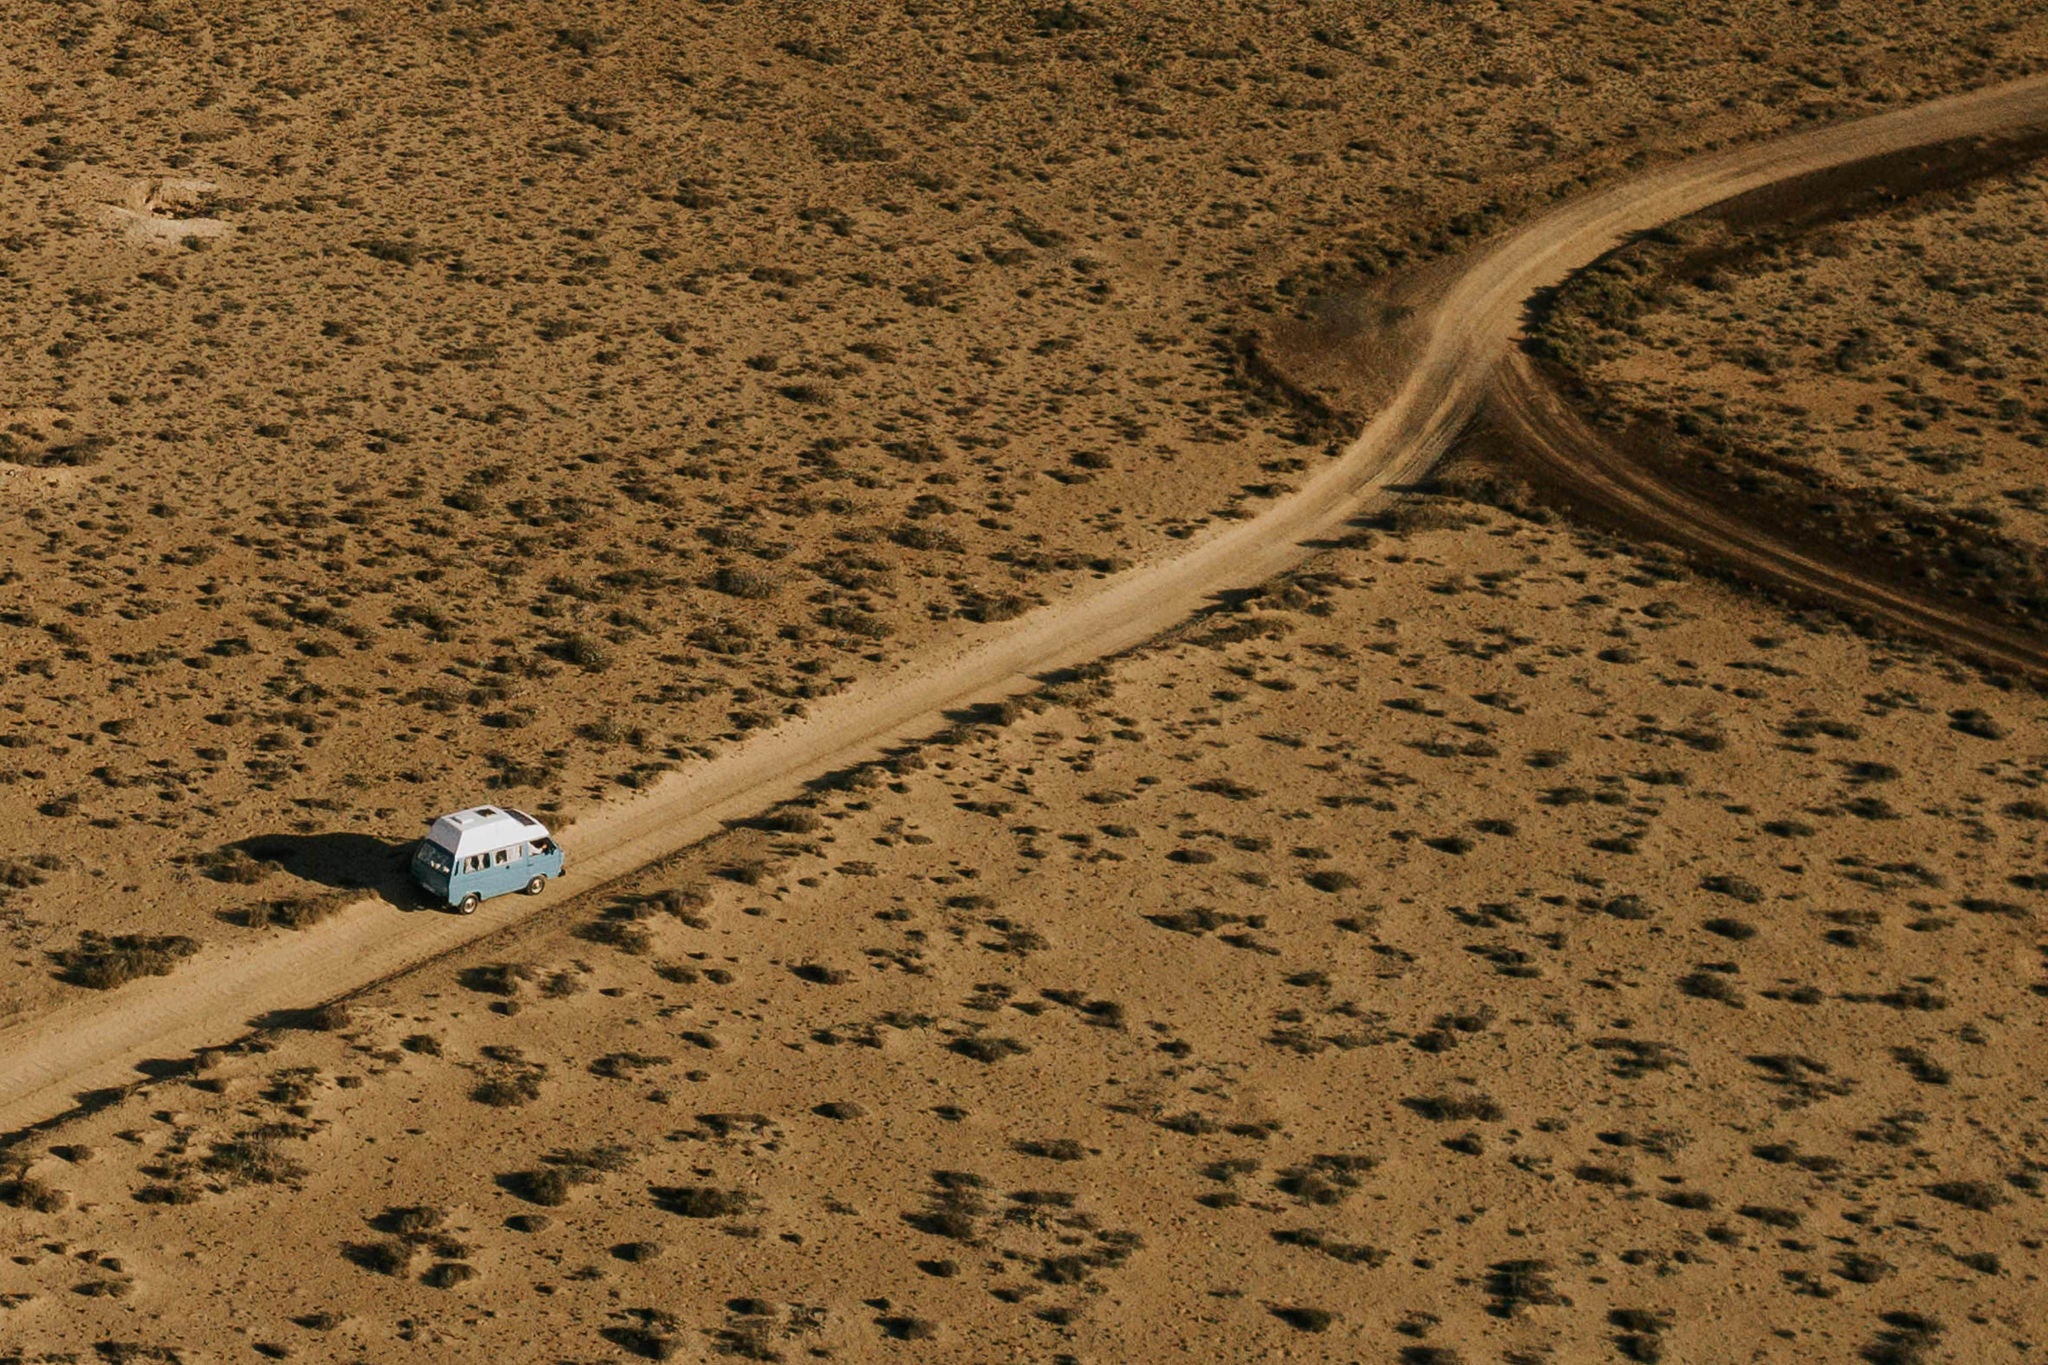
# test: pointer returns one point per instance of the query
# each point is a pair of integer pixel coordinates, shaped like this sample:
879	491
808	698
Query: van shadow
348	861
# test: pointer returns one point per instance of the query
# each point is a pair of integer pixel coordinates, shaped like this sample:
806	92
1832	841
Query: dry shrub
448	1274
412	1220
1519	1284
909	1328
625	934
562	1171
497	978
702	1201
20	1190
255	1158
233	866
389	1256
548	1186
101	963
987	1049
296	912
1305	1319
1053	1149
1978	1195
332	1017
1457	1108
507	1091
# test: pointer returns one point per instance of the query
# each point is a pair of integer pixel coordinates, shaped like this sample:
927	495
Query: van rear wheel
536	886
468	904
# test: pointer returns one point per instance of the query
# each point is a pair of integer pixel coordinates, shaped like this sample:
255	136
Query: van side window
502	854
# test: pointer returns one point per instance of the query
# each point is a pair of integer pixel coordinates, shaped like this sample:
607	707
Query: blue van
485	851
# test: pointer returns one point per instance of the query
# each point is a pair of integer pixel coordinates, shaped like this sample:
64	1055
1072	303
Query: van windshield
435	856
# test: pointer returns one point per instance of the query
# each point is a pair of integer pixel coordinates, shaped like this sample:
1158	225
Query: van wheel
536	886
469	903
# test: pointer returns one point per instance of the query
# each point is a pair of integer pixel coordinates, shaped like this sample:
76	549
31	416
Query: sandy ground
1621	406
1901	353
1483	937
1457	343
572	394
1486	946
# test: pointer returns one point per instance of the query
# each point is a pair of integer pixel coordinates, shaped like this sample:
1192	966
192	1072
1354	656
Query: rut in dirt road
1648	481
1566	454
99	1042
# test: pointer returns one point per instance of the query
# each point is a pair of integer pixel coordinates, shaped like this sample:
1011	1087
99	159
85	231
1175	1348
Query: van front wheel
536	886
469	903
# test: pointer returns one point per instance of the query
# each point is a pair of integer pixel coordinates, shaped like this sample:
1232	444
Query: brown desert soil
1486	940
1063	864
91	1043
1900	352
1622	484
571	395
1658	391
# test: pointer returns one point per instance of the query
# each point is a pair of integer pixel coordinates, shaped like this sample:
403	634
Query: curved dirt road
1550	434
47	1061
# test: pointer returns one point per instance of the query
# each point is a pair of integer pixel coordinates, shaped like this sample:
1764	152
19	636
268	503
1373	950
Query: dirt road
1572	456
100	1041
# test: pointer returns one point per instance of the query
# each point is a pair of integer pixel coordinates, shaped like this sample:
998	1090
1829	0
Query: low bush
1457	1108
563	1170
389	1256
256	1158
412	1220
24	1191
1053	1149
101	962
296	912
987	1049
1705	985
1977	1195
332	1017
909	1328
233	866
581	650
448	1274
507	1091
1738	888
1519	1284
702	1201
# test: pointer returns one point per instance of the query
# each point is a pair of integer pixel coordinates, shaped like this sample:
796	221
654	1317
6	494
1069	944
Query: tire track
1564	452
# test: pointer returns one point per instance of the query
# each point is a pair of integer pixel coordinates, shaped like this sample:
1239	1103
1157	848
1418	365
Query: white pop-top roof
483	828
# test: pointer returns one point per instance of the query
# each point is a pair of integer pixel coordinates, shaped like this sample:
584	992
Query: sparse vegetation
295	912
703	1201
643	387
101	962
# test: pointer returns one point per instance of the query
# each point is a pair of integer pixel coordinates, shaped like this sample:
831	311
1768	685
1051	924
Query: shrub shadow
350	861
